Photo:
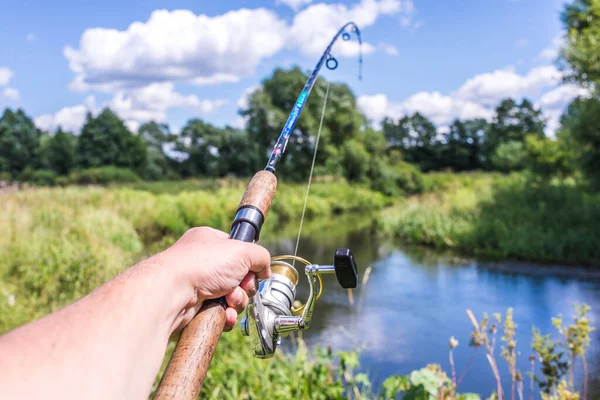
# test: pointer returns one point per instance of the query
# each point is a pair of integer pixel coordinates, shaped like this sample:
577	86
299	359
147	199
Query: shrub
103	176
42	177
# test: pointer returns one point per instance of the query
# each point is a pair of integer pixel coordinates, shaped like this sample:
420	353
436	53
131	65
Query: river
415	300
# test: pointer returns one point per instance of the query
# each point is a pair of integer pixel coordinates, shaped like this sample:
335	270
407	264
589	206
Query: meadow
58	244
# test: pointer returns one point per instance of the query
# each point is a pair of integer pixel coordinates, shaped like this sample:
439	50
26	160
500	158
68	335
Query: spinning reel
271	314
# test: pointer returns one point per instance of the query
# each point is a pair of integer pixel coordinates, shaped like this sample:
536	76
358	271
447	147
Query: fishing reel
271	314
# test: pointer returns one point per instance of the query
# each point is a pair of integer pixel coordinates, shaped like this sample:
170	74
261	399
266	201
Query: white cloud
442	110
551	53
68	118
294	4
554	103
11	94
244	98
175	46
478	97
151	103
31	37
6	75
314	26
180	46
490	88
133	106
389	49
215	79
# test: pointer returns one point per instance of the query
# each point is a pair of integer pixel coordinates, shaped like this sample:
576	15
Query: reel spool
271	314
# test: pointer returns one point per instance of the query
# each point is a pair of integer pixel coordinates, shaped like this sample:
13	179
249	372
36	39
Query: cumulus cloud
441	109
478	97
554	102
314	26
180	46
151	103
70	119
490	88
176	46
7	94
551	53
134	106
294	4
6	75
11	94
244	98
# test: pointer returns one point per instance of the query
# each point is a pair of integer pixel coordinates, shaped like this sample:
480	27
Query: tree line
390	158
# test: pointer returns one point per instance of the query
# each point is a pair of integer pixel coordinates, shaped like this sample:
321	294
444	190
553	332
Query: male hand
210	265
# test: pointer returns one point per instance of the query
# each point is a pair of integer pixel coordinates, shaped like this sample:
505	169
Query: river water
415	299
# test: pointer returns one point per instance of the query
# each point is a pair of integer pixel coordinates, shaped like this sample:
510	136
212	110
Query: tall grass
503	217
58	244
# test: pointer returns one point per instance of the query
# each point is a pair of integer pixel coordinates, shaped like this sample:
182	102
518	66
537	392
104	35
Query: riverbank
502	217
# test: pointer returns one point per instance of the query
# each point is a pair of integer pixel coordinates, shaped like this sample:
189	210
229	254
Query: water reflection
415	299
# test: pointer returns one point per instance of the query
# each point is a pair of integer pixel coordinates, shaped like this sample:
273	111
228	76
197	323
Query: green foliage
269	107
158	165
464	145
483	215
581	51
103	176
509	156
58	152
19	142
416	137
42	177
105	140
548	158
554	365
581	129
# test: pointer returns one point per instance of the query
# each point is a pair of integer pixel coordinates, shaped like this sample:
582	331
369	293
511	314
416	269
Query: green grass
501	217
60	243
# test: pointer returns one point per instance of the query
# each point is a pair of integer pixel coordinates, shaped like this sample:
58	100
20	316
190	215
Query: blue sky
444	58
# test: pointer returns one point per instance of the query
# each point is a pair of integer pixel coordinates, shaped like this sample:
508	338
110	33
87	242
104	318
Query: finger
230	319
256	258
250	284
237	299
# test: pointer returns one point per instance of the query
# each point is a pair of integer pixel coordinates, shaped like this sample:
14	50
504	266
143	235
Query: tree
463	144
199	141
105	140
581	51
58	152
19	142
512	123
268	110
547	158
156	137
581	130
509	156
416	136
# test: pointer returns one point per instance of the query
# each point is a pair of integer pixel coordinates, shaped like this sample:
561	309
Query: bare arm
110	344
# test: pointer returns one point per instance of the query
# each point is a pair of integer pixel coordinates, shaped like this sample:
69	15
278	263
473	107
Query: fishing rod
270	313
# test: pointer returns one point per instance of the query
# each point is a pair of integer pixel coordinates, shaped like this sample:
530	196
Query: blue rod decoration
332	64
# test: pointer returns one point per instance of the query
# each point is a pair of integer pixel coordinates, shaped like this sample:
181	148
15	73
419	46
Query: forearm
107	345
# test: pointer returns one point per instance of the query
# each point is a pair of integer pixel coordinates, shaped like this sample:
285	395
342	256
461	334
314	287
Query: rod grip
191	359
260	192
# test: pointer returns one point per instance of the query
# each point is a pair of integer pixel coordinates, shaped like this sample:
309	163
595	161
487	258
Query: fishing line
312	167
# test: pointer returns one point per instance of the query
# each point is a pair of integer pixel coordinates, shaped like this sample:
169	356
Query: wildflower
453	343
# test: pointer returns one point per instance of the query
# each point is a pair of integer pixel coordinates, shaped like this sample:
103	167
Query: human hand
209	265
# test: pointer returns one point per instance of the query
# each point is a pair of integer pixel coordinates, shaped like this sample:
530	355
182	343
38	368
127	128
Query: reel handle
345	268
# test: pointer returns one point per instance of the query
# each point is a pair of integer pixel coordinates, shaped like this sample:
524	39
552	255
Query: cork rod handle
191	359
